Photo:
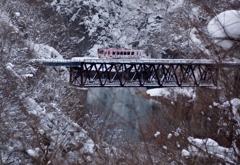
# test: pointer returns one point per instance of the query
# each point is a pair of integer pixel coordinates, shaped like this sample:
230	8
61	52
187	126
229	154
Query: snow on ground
206	147
162	92
171	92
224	27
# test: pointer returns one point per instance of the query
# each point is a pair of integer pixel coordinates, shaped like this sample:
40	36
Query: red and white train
119	53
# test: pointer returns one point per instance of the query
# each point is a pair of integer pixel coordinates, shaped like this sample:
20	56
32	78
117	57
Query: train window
132	53
117	53
100	51
128	53
125	53
121	53
113	53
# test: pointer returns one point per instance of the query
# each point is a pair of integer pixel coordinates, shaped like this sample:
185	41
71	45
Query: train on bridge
112	53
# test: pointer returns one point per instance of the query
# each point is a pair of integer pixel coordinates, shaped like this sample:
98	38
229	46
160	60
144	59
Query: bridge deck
79	60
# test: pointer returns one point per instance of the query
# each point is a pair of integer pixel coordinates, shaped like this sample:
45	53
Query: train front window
100	51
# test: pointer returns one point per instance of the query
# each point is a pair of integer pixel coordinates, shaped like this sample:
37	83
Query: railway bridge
94	72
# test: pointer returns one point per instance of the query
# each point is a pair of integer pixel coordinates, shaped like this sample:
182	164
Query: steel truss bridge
94	72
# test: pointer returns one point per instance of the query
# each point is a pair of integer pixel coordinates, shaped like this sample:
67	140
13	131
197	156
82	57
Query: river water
121	111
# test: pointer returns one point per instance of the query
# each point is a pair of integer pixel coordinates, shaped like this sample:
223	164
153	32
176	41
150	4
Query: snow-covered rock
185	153
157	134
224	28
172	92
45	51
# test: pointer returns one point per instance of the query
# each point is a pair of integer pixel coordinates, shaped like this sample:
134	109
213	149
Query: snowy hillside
33	122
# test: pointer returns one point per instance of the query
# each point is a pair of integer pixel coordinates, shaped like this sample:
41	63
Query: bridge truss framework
135	74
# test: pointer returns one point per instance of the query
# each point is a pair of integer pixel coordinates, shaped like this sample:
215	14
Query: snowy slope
36	127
